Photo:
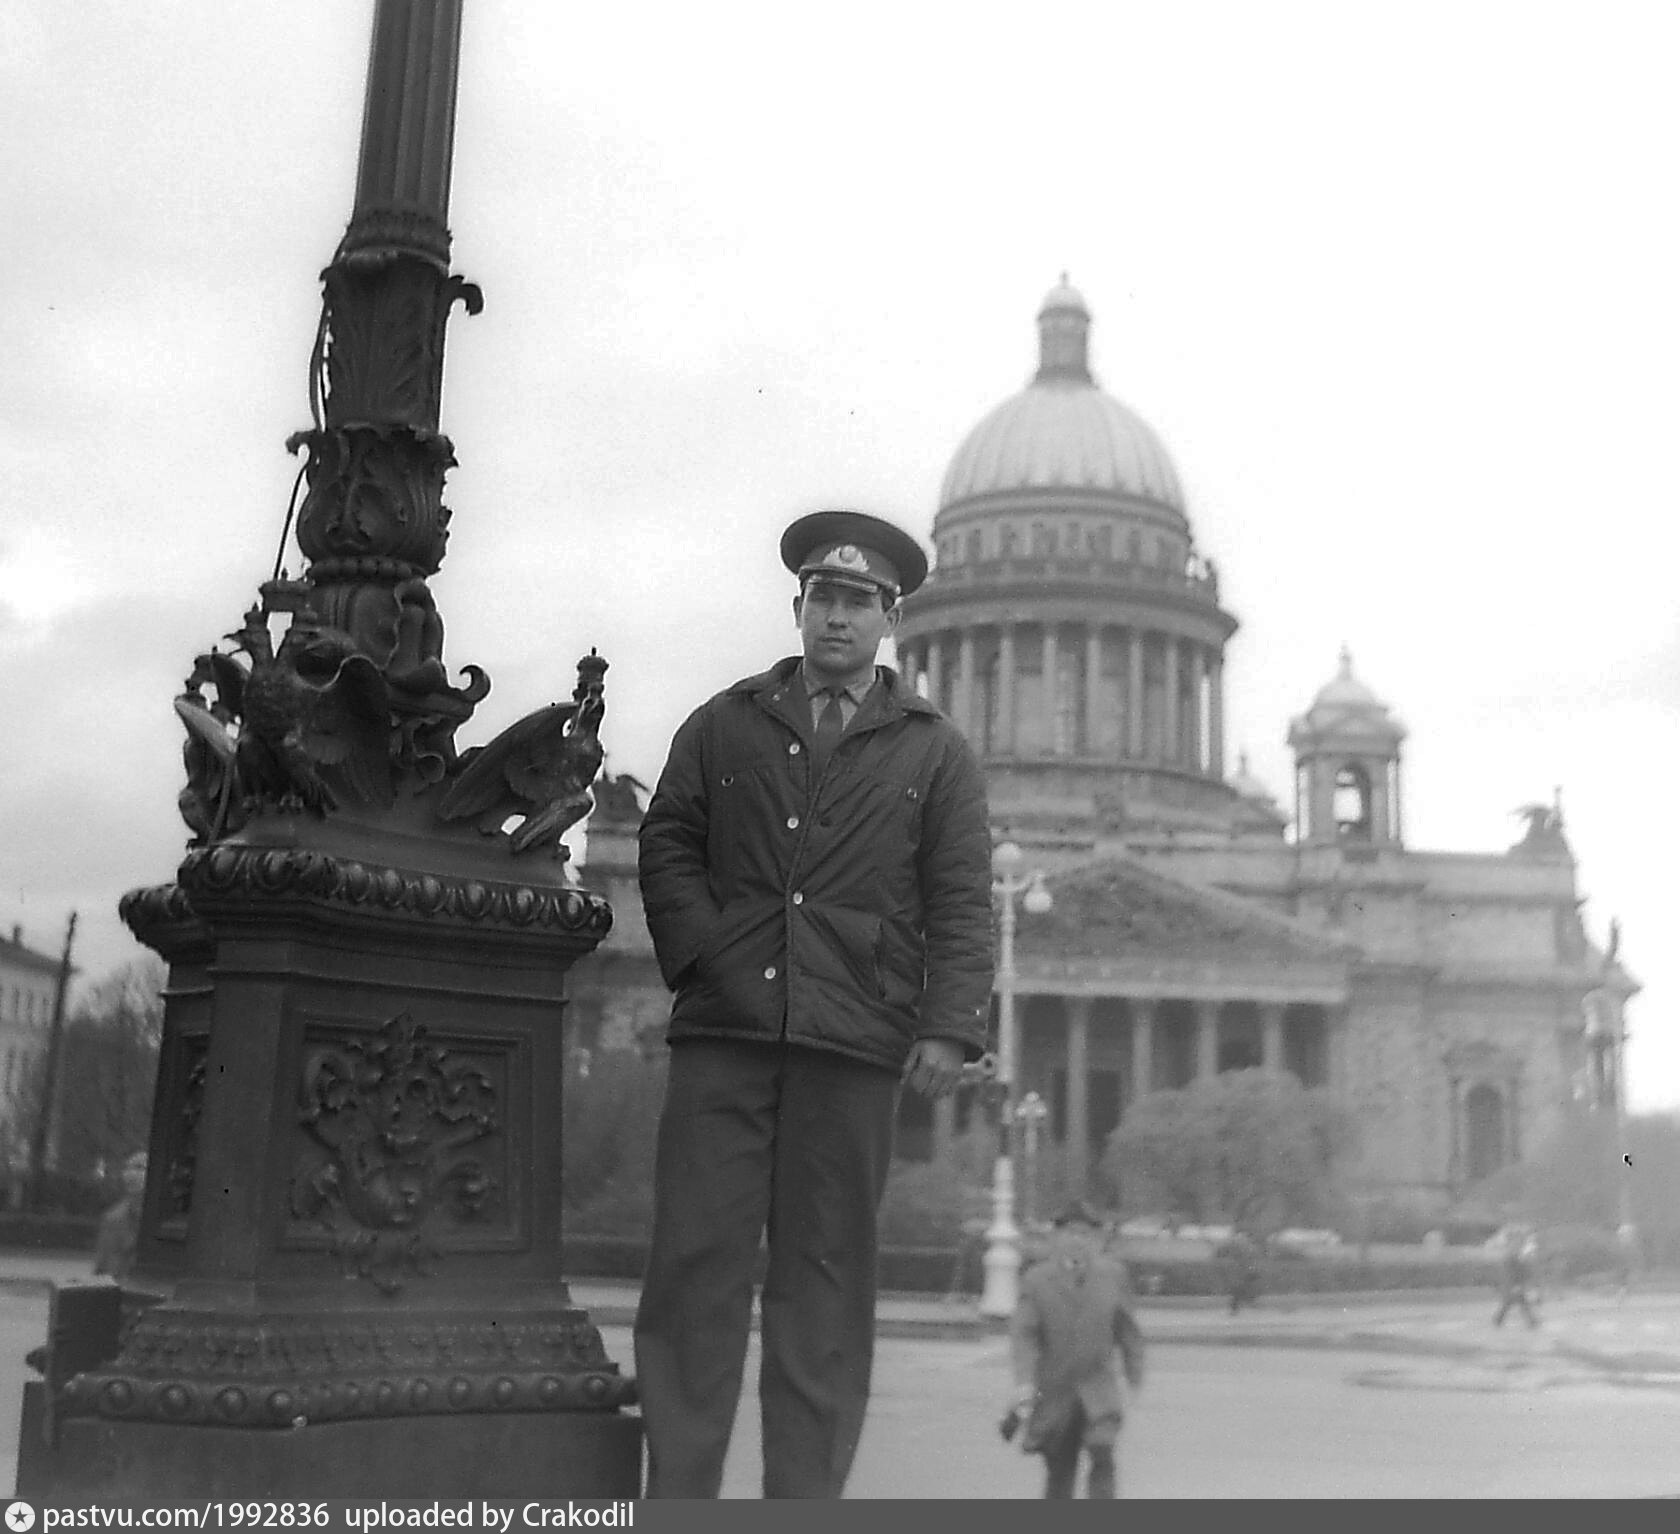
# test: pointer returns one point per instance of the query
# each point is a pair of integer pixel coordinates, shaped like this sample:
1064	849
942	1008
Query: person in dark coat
1073	1332
118	1237
1243	1254
815	868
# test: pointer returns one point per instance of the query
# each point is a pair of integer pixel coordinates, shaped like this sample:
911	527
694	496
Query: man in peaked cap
1074	1331
816	873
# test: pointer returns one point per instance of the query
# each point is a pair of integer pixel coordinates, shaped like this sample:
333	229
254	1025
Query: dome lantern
1064	328
1062	432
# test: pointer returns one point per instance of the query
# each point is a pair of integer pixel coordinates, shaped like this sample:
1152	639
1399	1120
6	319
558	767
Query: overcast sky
1396	285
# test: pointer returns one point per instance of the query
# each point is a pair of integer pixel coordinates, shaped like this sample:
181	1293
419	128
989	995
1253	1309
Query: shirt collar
857	691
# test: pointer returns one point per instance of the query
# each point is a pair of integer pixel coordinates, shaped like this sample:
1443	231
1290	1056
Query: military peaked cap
853	548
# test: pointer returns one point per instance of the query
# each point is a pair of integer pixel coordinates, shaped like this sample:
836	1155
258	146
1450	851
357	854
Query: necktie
830	725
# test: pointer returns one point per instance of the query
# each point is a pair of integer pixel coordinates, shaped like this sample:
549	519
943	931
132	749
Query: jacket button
799	897
769	971
793	822
793	750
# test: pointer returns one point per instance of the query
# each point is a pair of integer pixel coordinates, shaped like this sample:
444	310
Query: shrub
1573	1252
927	1203
611	1115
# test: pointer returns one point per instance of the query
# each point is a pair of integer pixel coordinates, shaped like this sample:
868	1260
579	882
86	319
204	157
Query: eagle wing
512	769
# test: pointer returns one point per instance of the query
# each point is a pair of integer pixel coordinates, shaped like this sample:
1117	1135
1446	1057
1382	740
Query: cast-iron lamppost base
348	1275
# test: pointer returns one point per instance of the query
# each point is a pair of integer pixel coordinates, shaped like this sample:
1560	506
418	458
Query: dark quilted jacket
852	915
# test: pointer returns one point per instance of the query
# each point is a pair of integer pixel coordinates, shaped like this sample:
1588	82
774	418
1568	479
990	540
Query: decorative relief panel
405	1153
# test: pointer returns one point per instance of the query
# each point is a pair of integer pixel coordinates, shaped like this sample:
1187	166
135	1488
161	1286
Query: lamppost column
1078	1127
1003	1237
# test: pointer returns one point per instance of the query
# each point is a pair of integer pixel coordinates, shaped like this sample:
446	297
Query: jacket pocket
846	946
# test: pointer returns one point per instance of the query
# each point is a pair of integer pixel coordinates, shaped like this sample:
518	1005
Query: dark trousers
756	1140
1061	1461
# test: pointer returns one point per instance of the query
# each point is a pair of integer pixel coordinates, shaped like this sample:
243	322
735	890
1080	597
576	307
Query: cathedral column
966	721
1143	1047
1198	682
1170	717
1049	745
933	657
1216	717
1093	688
1004	744
1134	693
1335	1049
1207	1039
1271	1035
1077	1141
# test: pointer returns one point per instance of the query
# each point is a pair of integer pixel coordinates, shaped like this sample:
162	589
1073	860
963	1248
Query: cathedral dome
1061	431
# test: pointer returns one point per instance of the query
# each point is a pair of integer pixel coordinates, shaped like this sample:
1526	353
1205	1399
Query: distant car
1306	1240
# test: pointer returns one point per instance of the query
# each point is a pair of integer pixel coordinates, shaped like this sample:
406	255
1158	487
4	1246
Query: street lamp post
1003	1237
1030	1114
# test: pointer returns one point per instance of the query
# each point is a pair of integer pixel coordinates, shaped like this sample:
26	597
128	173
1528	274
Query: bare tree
22	1102
104	1106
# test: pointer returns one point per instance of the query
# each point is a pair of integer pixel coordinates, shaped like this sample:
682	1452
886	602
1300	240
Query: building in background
615	996
1073	629
28	984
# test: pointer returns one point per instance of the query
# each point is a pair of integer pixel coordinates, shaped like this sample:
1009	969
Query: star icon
20	1518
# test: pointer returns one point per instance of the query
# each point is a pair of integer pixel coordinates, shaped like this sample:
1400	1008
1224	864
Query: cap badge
849	557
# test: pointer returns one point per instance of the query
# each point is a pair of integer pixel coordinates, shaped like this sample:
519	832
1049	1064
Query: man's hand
1016	1411
934	1067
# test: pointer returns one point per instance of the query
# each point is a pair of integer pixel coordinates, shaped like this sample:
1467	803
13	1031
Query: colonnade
1119	692
1134	1045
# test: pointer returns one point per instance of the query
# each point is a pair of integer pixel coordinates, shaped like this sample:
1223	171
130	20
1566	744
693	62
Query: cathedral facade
1073	629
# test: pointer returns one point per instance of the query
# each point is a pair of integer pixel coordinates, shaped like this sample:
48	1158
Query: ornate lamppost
1003	1236
1030	1114
353	1199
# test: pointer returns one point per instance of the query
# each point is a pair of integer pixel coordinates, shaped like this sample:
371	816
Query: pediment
1117	907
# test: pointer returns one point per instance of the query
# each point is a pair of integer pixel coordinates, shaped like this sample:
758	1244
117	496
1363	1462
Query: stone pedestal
354	1189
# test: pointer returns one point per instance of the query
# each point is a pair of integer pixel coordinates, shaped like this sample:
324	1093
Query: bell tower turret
1347	766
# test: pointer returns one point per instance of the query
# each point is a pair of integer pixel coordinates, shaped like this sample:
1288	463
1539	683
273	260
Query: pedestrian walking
1516	1272
1243	1255
118	1238
816	872
1074	1332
